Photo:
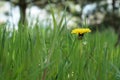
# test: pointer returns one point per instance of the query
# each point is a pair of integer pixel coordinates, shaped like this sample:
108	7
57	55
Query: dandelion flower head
80	30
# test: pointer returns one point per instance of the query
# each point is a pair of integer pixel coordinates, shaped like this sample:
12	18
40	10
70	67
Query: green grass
55	54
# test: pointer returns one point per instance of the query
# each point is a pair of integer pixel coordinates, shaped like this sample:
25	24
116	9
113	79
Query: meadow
40	53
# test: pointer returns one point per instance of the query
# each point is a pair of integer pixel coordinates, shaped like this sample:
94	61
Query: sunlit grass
55	54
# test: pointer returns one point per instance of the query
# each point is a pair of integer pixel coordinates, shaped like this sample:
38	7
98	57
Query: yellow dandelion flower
80	32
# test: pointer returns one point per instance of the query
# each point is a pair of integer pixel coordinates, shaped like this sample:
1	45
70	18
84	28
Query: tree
23	4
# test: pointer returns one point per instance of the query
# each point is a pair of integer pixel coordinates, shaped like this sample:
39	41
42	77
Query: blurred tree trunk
117	27
113	5
22	5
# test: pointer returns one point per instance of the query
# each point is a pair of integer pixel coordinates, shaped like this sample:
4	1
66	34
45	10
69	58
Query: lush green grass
55	54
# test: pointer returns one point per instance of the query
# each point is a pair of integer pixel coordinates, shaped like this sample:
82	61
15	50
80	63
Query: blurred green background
36	41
